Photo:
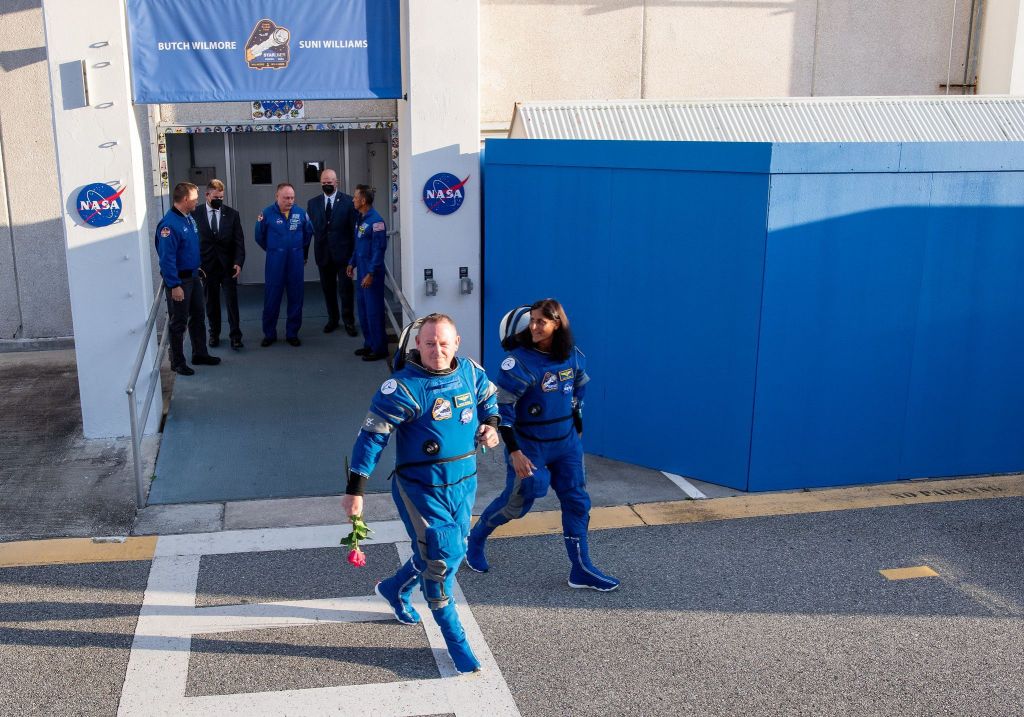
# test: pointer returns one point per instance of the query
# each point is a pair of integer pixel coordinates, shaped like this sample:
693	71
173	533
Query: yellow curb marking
822	501
550	522
74	550
84	550
922	571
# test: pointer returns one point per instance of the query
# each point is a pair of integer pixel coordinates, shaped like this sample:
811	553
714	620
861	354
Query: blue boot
397	590
475	558
583	573
455	638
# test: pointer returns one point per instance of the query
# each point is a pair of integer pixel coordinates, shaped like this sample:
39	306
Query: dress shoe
214	342
374	357
183	370
206	360
236	343
362	352
294	341
330	326
267	341
351	330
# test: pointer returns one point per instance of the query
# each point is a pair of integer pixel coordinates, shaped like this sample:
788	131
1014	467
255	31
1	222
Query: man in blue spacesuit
540	394
283	230
366	269
439	406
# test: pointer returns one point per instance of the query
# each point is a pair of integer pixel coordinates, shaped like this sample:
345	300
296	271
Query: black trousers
334	283
188	313
214	283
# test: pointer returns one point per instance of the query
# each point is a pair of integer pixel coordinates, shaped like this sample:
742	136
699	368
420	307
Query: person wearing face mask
222	247
440	407
333	218
540	394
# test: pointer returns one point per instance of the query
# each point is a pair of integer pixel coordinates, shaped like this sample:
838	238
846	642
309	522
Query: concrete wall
624	49
32	237
1000	62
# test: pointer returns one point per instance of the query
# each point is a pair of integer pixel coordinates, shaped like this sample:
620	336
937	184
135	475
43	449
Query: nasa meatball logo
466	416
389	386
99	204
508	363
267	47
444	193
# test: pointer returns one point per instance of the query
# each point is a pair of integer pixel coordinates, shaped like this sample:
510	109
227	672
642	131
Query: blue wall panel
776	317
842	277
631	253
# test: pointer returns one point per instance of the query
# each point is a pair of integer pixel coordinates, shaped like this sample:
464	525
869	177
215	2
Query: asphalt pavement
769	615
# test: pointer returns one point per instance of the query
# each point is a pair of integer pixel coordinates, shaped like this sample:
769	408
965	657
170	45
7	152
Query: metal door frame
161	130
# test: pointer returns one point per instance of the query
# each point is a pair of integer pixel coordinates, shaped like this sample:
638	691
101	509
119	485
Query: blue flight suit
368	258
177	244
538	396
286	240
436	416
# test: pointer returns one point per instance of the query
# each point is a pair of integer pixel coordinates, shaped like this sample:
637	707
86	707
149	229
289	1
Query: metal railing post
138	424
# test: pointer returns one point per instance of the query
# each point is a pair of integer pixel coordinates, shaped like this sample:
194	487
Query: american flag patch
378	226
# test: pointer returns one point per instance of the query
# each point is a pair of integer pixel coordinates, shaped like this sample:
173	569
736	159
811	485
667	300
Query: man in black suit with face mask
222	247
333	218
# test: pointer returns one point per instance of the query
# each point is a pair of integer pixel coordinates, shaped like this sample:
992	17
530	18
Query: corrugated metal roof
814	119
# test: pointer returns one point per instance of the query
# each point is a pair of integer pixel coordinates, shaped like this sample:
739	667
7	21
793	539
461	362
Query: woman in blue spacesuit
540	399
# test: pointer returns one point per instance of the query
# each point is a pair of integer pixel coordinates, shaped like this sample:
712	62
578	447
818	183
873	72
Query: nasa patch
463	399
442	410
165	232
466	416
567	388
389	386
508	363
550	383
259	217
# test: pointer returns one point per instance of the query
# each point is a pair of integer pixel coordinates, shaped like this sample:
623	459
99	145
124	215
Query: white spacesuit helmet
512	323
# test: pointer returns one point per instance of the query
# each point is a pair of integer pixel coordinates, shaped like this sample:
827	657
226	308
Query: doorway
258	161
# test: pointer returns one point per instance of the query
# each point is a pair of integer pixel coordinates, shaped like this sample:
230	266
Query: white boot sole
592	587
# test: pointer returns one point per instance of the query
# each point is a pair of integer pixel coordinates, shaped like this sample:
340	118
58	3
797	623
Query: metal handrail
139	423
390	282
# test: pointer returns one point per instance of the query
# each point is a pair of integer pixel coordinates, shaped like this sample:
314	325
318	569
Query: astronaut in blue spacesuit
284	231
440	407
540	395
366	269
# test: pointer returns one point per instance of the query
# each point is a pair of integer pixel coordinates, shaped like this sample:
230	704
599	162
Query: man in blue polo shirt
177	243
366	269
283	231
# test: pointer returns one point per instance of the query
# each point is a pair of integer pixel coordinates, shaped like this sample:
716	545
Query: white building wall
529	50
629	49
32	239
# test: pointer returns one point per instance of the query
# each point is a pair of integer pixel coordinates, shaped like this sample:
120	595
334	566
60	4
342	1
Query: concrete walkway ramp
271	422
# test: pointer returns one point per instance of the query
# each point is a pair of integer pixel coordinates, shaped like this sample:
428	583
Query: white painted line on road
157	672
686	486
263	540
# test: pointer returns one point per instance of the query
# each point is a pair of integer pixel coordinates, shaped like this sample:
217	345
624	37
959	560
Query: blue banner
246	50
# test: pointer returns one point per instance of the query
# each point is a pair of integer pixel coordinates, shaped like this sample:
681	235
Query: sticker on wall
99	204
444	193
273	110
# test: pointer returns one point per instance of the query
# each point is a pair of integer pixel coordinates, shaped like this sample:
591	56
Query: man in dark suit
222	246
333	218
